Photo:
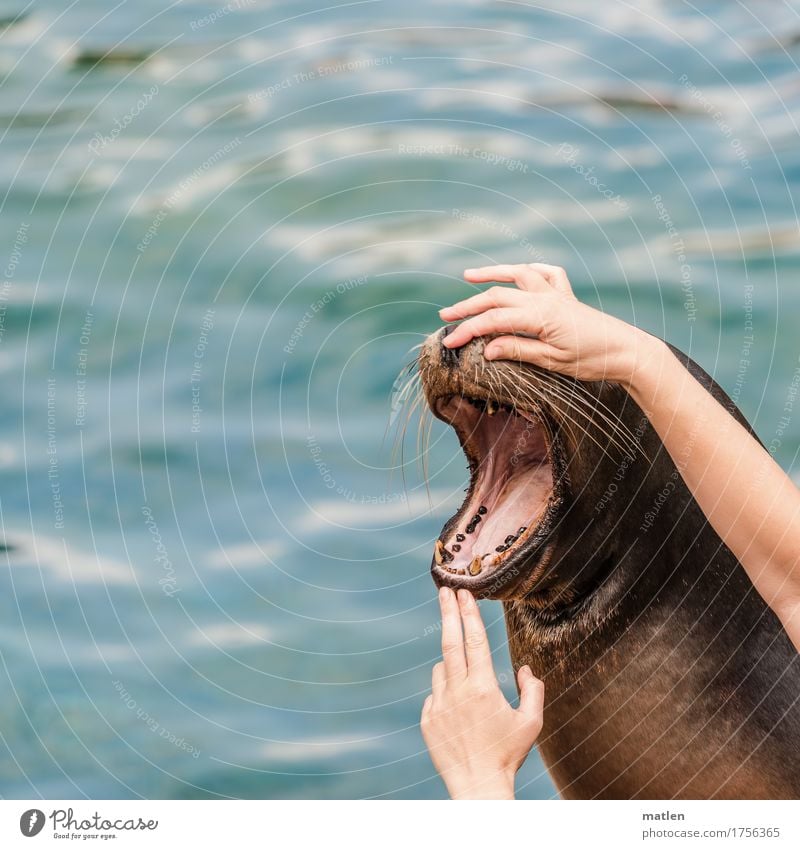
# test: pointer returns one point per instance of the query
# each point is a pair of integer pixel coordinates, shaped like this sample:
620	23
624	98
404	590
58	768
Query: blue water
223	228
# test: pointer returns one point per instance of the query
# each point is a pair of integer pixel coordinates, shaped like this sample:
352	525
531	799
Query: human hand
476	740
571	338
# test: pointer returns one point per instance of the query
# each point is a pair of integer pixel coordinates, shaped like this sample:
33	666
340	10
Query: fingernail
464	597
447	342
491	353
470	270
443	593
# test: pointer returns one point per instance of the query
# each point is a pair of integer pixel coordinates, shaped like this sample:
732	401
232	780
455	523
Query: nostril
449	355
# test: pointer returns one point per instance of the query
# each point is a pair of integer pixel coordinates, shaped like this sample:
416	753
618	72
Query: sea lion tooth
460	537
456	547
509	539
491	408
475	566
501	548
482	510
437	553
521	531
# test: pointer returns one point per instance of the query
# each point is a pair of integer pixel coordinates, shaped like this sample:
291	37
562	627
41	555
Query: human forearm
748	499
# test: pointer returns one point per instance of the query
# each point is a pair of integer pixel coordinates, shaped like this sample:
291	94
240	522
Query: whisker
570	394
558	394
409	395
609	416
570	399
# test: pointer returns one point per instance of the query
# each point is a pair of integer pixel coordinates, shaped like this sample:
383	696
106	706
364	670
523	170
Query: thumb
519	348
531	694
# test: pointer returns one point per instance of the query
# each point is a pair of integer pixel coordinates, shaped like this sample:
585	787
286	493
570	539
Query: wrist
488	785
647	363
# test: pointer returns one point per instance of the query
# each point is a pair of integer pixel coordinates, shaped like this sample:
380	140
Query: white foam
66	562
248	554
315	748
230	634
340	512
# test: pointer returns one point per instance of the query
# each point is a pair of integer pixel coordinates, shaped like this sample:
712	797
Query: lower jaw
509	577
501	583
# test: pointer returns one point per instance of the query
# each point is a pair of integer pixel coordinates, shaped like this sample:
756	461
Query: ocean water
223	229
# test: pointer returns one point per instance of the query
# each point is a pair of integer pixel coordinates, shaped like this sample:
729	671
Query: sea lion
666	674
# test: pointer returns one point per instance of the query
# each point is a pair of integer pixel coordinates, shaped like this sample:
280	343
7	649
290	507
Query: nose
449	355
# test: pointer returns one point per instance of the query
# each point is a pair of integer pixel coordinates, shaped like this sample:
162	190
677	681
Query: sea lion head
543	452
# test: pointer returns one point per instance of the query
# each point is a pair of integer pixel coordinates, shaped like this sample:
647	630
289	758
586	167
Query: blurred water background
223	228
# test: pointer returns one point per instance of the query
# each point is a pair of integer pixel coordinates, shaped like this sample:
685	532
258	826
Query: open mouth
511	489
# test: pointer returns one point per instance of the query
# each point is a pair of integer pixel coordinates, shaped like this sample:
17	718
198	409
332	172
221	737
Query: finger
523	275
501	320
521	349
427	705
497	296
439	678
455	664
555	276
476	643
531	693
